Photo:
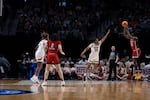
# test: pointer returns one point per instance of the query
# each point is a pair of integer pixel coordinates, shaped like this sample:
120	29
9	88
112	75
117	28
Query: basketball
124	23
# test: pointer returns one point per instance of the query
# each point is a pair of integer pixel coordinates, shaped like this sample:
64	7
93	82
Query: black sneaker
108	79
114	79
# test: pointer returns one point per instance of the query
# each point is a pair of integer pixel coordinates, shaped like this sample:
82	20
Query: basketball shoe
44	83
62	83
35	79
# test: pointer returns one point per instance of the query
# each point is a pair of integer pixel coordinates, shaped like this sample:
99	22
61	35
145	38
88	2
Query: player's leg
88	67
135	63
34	78
38	69
95	68
60	73
86	71
39	59
46	74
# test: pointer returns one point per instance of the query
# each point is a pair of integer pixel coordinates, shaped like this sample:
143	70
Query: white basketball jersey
40	52
94	55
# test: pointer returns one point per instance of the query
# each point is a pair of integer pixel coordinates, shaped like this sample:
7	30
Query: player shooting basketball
136	51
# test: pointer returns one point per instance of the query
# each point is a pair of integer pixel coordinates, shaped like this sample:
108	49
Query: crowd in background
73	69
70	22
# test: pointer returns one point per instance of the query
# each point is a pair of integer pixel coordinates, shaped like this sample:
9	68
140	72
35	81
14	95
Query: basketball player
136	51
94	54
53	46
40	56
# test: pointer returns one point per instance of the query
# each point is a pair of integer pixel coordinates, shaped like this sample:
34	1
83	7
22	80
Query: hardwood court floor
77	90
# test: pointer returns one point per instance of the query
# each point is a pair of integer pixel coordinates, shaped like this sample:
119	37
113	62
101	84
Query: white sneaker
62	83
44	83
35	79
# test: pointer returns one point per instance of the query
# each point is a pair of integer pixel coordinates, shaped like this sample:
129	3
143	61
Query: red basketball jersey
135	49
52	55
53	46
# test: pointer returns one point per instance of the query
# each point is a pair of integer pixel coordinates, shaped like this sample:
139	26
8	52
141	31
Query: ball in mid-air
124	23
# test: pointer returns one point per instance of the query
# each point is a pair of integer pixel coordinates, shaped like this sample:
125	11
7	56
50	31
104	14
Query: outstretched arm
83	52
105	36
36	47
127	34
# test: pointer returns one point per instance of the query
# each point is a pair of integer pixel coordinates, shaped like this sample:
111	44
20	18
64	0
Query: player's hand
108	31
82	56
62	53
136	38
